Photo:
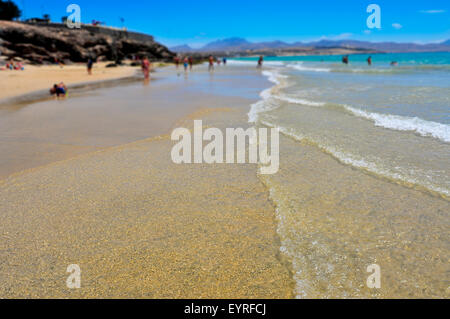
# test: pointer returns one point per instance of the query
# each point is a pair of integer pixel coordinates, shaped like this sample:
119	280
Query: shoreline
147	228
136	233
35	81
74	88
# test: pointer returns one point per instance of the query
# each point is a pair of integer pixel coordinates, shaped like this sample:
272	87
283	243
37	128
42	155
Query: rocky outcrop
49	43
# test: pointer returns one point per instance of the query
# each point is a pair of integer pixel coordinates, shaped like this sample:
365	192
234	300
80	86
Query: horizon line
417	42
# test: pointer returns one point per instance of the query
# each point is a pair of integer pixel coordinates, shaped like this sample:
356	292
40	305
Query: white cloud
397	26
432	11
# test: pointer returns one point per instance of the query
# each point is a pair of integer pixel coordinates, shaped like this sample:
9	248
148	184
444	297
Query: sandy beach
145	227
90	181
226	159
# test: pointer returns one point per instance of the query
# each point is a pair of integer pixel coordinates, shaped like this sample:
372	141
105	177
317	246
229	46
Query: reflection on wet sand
137	224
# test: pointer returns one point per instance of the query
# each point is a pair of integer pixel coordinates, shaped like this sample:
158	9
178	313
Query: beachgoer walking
186	64
345	59
369	61
260	62
224	61
177	62
146	65
90	64
191	63
211	63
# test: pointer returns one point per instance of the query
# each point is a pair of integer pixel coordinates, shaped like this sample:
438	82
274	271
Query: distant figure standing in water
260	62
345	59
211	63
191	63
394	63
146	68
90	64
186	64
369	61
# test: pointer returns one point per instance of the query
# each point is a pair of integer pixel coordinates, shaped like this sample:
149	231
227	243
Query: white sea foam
394	122
403	123
298	101
274	63
362	163
274	76
254	63
239	62
300	67
260	106
265	104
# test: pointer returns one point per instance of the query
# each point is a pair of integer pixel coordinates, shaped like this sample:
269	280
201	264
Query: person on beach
394	63
211	63
146	65
369	61
58	62
191	62
59	90
14	66
90	64
345	59
224	61
177	62
260	62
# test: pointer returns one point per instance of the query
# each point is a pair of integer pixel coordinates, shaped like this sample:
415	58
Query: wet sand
36	134
137	224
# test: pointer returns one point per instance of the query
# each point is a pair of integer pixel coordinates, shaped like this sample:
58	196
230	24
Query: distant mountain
182	48
232	44
242	45
382	46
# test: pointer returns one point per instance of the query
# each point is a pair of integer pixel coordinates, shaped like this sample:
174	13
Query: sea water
365	170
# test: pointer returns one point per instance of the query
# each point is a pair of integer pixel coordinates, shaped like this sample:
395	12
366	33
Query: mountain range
242	45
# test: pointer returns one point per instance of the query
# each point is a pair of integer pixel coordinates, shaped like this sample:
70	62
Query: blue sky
197	22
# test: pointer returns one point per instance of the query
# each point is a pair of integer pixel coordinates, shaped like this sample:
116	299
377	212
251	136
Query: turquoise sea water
364	171
427	58
391	120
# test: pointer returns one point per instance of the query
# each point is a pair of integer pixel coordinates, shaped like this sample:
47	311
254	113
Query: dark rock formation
49	43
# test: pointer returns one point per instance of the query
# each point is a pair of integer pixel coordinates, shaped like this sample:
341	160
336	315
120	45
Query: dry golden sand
36	78
140	226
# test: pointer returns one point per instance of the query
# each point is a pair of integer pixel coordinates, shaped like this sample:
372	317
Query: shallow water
39	133
350	192
365	171
393	124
